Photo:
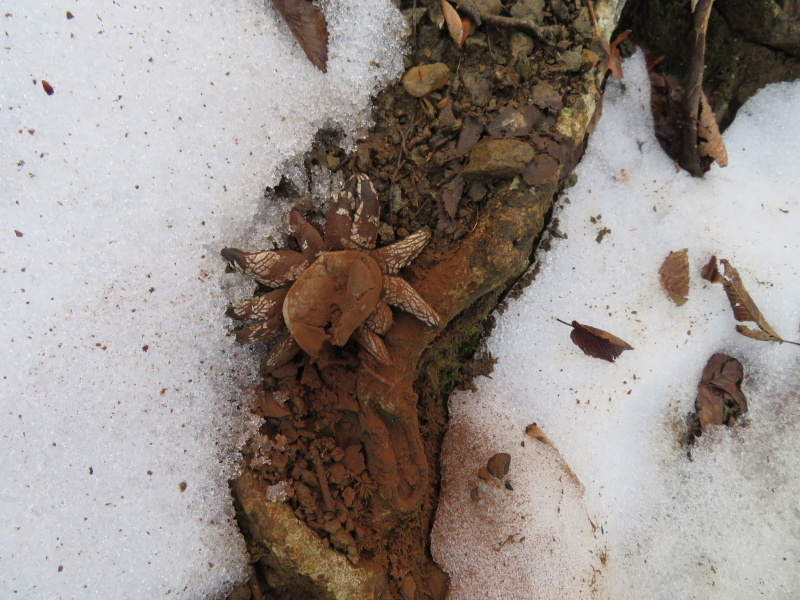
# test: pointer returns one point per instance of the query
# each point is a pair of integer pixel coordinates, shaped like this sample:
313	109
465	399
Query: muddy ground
340	486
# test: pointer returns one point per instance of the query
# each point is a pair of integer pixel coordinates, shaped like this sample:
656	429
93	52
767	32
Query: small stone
583	23
491	159
479	86
408	588
560	10
519	42
332	526
304	495
543	170
498	465
547	97
510	122
424	79
571	60
589	58
341	539
337	473
531	9
348	495
476	191
353	460
488	7
484	474
475	494
386	233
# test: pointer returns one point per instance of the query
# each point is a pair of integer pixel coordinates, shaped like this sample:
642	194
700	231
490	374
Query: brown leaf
457	25
451	195
308	25
757	334
674	273
711	272
614	63
744	309
710	142
596	342
720	399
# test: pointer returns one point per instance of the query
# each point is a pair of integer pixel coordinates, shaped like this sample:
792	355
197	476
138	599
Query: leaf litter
309	27
595	342
743	306
674	273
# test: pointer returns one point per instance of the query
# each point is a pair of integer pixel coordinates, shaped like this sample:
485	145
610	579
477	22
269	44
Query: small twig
323	485
690	156
399	164
546	34
593	16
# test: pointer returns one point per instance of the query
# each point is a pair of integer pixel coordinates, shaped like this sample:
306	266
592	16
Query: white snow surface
119	410
723	524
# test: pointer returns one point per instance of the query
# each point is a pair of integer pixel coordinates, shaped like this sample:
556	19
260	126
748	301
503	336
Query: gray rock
571	60
479	86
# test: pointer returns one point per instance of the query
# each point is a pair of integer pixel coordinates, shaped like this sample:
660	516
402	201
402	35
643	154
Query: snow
722	524
120	414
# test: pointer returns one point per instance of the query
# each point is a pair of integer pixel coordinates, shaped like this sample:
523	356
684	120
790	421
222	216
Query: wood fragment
690	156
323	485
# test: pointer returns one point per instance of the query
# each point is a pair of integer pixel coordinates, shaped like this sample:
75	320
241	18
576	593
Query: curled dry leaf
614	63
457	25
743	306
596	342
674	273
709	138
720	399
711	272
308	25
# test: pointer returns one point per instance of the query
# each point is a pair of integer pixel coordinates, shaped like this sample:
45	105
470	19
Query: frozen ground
651	523
118	415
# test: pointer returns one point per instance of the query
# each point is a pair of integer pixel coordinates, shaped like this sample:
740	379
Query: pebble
491	159
498	465
424	79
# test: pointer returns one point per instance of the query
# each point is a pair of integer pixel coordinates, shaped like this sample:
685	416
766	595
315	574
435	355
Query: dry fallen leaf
457	25
596	342
720	399
309	27
709	138
451	195
674	273
614	63
758	334
711	272
743	306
